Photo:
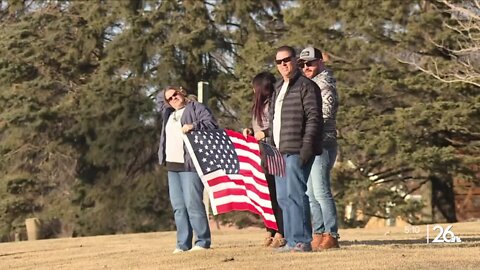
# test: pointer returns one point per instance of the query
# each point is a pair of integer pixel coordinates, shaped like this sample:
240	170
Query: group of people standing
297	115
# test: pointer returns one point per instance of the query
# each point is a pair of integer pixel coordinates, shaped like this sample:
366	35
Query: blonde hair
178	89
182	91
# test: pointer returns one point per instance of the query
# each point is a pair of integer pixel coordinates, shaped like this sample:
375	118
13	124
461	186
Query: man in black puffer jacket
296	128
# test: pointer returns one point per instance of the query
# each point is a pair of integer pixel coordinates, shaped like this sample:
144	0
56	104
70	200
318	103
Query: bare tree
463	55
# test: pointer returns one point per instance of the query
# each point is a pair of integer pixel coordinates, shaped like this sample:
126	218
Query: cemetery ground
402	247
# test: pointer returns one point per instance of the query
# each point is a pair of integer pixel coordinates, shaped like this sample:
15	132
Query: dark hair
263	83
289	49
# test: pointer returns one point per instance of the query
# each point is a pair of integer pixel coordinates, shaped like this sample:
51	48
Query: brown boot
267	241
278	241
317	239
328	242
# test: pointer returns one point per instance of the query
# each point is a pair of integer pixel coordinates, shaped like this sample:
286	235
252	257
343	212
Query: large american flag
229	166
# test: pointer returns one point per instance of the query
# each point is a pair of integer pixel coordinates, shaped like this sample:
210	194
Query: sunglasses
174	95
308	64
284	60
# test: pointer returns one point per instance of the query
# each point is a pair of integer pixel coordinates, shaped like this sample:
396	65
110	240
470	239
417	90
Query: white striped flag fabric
229	166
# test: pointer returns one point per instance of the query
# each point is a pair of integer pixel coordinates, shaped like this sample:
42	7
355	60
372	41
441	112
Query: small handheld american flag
275	164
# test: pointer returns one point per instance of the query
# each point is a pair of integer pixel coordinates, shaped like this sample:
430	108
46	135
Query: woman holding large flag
263	88
181	115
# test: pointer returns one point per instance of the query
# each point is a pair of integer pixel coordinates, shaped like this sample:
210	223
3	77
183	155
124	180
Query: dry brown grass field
382	248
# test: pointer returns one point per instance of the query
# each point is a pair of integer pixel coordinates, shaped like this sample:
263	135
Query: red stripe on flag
224	180
231	192
241	206
249	161
240	192
258	181
240	186
244	199
247	148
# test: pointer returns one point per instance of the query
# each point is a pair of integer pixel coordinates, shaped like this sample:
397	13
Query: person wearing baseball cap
296	124
310	54
322	204
311	57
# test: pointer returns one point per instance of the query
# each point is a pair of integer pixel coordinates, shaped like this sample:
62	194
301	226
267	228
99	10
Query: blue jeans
294	202
186	196
322	204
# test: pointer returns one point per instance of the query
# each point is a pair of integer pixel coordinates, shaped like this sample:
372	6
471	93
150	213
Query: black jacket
302	122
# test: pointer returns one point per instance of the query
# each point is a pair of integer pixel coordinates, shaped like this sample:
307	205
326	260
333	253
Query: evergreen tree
78	128
79	131
76	141
255	26
399	129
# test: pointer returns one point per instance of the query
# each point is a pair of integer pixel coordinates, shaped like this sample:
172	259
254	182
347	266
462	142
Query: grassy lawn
382	248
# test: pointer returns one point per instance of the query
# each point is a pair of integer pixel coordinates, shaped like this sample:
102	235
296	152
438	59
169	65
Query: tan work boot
267	241
317	239
278	241
328	242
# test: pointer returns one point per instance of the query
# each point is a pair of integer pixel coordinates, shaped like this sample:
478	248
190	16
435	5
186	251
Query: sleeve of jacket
328	89
312	106
204	117
160	102
329	102
271	108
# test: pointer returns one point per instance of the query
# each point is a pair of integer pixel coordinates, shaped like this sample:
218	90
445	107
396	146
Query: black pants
277	211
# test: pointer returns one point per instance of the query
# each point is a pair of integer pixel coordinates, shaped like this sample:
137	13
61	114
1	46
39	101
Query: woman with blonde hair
182	115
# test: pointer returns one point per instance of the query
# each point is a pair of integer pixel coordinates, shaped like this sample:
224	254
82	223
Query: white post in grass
202	95
34	228
202	92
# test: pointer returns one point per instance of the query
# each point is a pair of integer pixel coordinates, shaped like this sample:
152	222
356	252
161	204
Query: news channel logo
443	235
